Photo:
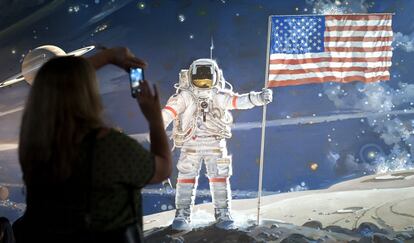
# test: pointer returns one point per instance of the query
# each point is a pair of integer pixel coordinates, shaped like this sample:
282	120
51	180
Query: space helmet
204	73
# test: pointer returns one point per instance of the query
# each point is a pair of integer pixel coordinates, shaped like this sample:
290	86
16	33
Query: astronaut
201	124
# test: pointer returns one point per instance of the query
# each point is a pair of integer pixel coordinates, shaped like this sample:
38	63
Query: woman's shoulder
114	136
113	142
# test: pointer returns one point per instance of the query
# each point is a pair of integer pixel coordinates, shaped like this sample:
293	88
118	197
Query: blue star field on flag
297	34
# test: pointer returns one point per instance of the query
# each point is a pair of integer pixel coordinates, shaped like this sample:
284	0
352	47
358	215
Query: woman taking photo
83	178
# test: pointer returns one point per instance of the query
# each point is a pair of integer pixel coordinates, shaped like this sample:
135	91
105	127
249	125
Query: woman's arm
151	108
119	56
149	104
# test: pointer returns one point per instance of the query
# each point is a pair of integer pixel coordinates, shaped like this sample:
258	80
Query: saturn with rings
36	58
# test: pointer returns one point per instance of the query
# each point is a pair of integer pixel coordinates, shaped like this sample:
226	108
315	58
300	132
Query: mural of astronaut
201	124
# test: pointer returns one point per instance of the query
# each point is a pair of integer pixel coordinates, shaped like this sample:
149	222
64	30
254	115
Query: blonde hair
62	107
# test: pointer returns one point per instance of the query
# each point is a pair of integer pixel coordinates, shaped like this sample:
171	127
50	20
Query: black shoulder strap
133	203
91	141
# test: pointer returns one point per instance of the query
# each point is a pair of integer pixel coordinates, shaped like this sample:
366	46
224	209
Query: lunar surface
376	207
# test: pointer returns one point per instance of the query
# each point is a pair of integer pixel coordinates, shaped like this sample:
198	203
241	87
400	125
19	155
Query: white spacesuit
200	113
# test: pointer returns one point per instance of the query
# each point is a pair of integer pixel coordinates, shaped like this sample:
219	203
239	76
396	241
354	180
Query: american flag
331	48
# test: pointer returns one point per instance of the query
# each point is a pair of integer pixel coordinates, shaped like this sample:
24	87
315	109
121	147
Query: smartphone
135	75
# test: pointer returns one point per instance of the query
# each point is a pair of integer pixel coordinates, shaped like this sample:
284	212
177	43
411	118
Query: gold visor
203	83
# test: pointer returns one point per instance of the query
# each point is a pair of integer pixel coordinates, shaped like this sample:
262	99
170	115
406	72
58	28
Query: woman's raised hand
149	102
119	56
124	58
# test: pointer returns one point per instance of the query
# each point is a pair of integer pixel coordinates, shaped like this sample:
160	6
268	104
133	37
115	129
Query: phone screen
135	75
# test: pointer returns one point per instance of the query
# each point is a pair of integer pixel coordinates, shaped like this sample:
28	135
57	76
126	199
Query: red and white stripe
357	48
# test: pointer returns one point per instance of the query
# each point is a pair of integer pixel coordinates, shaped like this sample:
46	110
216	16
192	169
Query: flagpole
262	143
211	48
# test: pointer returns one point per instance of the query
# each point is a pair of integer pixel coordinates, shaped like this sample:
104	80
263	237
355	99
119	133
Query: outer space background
170	34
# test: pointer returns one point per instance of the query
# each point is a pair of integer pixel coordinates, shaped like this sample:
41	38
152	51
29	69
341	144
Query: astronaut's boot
221	195
223	218
184	200
182	219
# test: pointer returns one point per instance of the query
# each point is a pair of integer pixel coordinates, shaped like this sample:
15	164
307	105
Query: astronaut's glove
266	95
261	98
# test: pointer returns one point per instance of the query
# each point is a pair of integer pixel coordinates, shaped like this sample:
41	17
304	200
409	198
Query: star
313	166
